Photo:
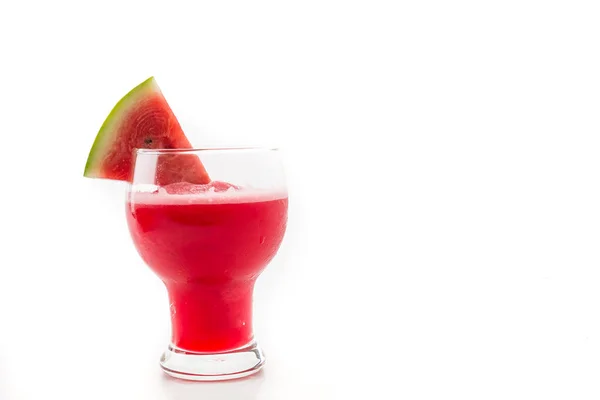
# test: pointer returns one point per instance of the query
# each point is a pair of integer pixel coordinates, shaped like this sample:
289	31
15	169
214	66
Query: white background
443	163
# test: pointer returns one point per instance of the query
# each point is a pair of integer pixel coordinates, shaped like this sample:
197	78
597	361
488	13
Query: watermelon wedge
142	119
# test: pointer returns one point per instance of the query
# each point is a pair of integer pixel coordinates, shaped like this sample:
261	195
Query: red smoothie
208	246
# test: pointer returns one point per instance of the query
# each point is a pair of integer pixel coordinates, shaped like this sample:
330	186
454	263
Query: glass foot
192	366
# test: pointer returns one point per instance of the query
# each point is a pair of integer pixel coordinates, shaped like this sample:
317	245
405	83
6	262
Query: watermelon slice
143	120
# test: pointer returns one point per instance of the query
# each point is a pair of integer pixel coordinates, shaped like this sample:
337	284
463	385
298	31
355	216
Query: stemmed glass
208	243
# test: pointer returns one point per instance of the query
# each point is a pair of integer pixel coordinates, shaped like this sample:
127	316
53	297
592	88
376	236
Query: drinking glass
208	243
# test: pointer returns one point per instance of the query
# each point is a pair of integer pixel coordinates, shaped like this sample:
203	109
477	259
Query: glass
208	243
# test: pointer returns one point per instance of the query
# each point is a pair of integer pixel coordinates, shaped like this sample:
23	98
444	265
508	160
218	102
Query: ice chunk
223	186
190	188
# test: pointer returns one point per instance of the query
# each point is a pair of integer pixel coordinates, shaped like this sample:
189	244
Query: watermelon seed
148	141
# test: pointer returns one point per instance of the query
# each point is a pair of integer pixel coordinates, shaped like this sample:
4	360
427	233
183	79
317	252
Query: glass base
192	366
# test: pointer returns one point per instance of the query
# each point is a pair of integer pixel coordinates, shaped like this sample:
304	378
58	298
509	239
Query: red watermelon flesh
143	120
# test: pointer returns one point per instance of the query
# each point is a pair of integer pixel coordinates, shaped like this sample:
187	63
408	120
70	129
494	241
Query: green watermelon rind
109	129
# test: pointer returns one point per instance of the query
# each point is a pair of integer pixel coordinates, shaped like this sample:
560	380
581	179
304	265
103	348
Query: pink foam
215	192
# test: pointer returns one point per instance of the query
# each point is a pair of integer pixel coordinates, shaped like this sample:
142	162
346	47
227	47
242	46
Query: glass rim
140	151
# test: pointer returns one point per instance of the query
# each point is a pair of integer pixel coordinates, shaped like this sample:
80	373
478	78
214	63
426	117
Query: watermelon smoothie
206	239
208	244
